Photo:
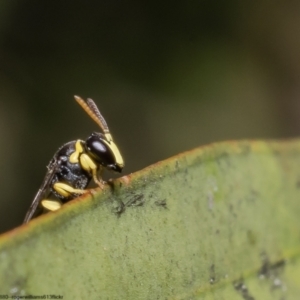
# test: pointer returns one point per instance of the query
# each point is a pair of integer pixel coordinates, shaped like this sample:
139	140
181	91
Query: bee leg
88	164
66	190
51	205
100	182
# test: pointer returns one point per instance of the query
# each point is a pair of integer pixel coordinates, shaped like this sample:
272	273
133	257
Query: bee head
104	152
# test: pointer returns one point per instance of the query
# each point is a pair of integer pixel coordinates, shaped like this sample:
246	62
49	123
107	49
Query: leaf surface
218	222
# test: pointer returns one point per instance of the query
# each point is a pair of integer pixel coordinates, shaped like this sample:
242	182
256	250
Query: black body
67	172
60	169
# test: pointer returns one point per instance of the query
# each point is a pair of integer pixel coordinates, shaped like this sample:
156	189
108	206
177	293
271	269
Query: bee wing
42	192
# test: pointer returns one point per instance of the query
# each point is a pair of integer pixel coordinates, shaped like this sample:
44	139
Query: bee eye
99	150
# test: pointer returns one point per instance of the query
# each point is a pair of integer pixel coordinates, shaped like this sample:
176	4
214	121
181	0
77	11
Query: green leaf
218	222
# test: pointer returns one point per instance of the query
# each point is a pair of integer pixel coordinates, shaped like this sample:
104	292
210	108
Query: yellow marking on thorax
74	157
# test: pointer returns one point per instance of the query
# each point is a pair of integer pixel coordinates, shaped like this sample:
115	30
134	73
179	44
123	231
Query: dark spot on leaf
136	200
267	268
118	207
162	203
17	287
272	271
242	289
212	275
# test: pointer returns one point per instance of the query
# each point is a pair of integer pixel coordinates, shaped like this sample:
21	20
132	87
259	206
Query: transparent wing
42	192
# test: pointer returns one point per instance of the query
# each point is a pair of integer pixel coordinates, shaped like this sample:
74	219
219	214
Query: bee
74	165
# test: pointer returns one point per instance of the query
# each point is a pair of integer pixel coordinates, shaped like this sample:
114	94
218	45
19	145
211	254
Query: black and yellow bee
75	164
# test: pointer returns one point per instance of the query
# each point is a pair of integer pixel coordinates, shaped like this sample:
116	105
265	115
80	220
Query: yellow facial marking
116	152
74	157
51	205
108	137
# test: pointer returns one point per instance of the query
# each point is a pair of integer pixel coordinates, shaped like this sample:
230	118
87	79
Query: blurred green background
168	76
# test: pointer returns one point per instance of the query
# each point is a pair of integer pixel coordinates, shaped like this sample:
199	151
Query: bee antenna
92	110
